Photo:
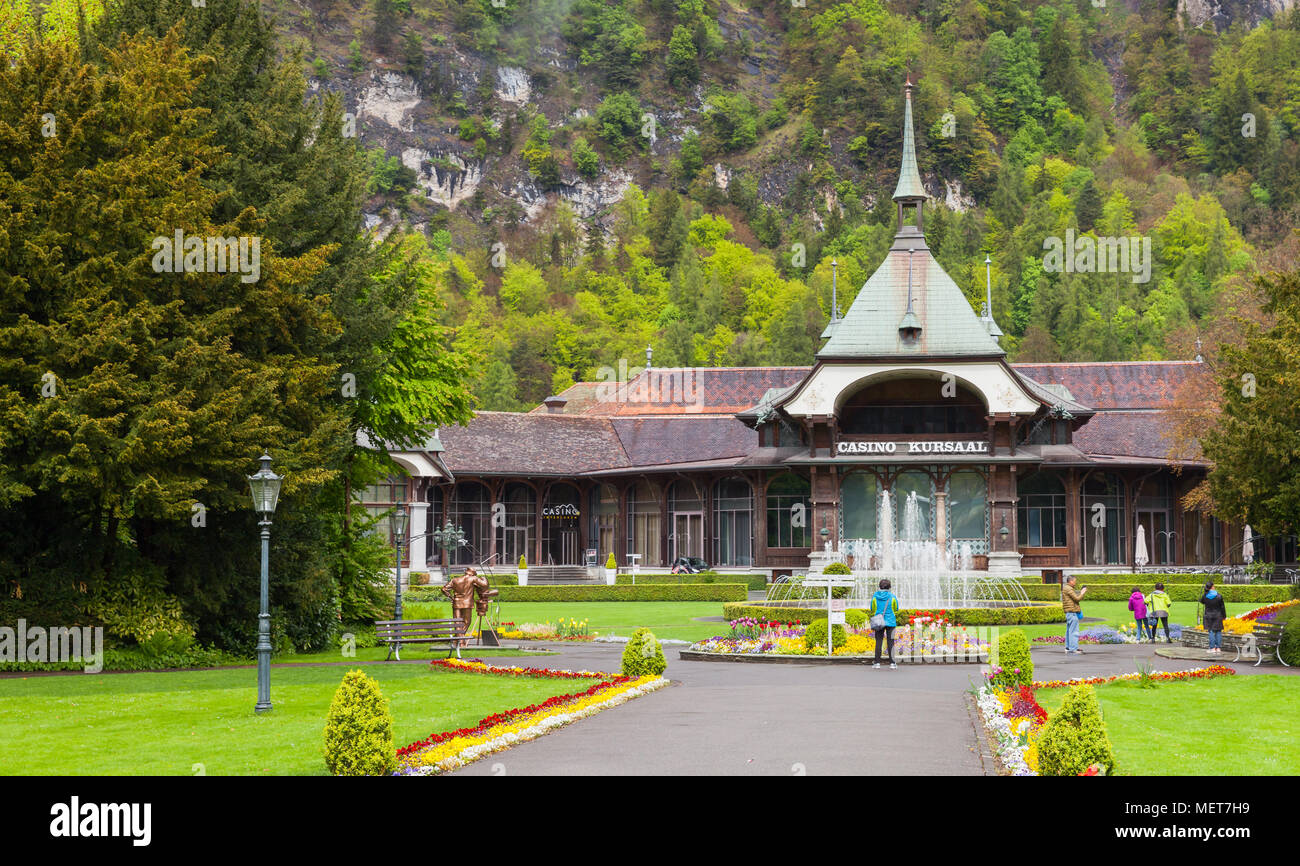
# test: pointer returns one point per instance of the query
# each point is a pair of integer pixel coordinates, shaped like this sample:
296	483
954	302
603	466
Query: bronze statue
462	591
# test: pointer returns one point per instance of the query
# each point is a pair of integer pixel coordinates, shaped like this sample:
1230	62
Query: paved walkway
732	719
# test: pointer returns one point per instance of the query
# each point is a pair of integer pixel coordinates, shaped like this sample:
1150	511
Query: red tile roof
1115	384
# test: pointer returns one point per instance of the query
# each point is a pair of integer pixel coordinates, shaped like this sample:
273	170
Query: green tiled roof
948	324
909	179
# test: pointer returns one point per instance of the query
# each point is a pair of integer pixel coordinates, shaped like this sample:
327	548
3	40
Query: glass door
688	535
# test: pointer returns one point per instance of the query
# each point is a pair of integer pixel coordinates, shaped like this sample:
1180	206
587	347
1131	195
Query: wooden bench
1266	638
397	632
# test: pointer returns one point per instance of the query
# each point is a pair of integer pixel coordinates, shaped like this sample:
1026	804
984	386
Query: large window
644	526
1040	513
379	501
859	503
515	535
789	512
470	512
604	517
913	524
733	518
914	406
1104	535
968	510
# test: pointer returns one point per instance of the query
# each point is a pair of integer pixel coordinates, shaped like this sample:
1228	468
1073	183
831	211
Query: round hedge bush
643	655
1074	737
1289	619
836	568
1014	659
815	634
359	729
855	618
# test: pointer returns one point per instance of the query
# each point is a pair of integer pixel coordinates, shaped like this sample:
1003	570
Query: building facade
909	422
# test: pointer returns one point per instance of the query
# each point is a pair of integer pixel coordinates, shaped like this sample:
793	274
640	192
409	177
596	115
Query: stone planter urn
610	574
523	577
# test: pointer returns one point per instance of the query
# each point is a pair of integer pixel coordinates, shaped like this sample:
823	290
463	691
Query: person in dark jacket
1215	613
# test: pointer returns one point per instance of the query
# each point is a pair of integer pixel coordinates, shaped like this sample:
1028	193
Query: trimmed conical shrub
1014	659
643	656
359	729
1074	737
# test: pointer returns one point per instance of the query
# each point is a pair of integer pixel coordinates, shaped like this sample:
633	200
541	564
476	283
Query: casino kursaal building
1024	466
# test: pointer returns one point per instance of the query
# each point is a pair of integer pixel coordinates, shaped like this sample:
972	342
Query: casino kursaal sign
943	446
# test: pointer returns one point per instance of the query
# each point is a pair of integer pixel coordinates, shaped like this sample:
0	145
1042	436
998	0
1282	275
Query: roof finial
909	179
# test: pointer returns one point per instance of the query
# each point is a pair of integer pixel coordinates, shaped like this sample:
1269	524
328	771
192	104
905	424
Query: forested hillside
597	176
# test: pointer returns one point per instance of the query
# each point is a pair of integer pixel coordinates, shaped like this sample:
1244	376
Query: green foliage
855	618
1177	591
1289	619
610	39
621	592
1074	737
837	568
643	655
683	58
523	563
618	119
356	62
1259	427
815	634
732	121
359	729
611	562
753	582
585	159
1014	659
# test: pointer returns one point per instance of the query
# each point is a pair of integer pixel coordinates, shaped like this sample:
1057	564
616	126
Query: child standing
1138	605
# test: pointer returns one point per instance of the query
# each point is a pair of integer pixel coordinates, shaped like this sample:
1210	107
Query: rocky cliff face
1223	13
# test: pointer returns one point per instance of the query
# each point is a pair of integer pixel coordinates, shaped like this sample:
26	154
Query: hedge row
752	581
965	616
1121	592
1124	577
640	592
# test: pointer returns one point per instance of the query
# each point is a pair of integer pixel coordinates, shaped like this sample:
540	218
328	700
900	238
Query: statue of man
462	590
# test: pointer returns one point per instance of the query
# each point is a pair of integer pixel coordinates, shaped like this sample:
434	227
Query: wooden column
1073	507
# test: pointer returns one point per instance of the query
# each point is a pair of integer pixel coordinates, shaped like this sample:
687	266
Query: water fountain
922	573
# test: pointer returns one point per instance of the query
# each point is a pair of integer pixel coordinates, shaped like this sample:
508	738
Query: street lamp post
399	532
449	538
265	487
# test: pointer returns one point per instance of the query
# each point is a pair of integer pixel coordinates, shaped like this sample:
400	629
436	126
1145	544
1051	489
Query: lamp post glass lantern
398	523
265	487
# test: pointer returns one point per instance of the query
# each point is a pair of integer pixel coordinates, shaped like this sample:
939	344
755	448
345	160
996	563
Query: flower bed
1160	676
450	750
927	637
1104	634
571	629
1014	719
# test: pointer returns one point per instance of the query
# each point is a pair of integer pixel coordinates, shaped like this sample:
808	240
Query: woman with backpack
1215	613
884	611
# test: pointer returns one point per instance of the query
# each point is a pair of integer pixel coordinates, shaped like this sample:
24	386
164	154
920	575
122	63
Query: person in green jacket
1158	604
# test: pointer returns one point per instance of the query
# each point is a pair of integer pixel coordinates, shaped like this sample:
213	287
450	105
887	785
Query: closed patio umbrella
1248	547
1098	548
1140	557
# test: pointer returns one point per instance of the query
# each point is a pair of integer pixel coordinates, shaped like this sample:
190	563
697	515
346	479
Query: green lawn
1242	725
414	651
164	723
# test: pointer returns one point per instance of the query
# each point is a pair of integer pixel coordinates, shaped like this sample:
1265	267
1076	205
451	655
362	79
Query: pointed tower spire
910	193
